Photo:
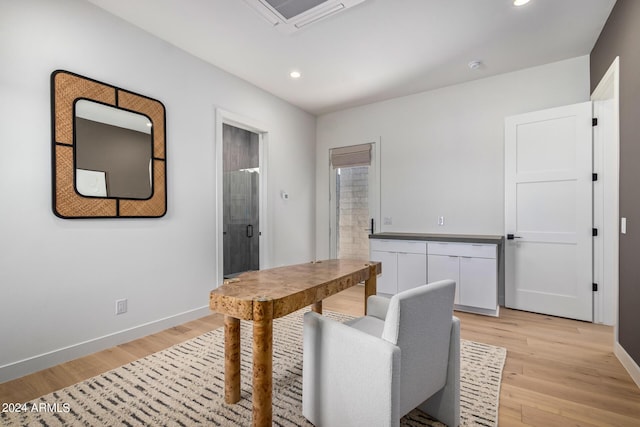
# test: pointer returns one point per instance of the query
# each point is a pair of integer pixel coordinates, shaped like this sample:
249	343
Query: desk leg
317	307
231	359
262	362
370	285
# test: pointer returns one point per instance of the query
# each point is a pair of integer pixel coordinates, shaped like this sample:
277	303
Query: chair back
419	322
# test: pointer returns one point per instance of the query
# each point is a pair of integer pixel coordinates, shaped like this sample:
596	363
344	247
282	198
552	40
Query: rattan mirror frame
66	88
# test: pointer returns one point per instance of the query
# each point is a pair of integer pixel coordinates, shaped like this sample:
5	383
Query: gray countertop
467	238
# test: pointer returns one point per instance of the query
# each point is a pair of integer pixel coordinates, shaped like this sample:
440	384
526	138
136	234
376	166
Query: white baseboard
39	362
629	364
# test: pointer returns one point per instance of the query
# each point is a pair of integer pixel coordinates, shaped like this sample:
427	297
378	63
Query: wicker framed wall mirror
108	150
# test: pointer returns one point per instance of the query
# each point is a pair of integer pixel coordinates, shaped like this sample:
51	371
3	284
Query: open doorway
242	226
240	200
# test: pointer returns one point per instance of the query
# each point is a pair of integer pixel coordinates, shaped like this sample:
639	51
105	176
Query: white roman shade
354	155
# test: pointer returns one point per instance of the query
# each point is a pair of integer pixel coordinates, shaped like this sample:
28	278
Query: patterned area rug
184	386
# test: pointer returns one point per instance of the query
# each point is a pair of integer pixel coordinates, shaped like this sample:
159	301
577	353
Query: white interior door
548	211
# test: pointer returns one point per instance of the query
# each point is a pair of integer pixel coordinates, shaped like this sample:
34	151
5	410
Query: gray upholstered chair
373	370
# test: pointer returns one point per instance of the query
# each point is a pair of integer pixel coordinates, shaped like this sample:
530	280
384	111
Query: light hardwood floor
558	372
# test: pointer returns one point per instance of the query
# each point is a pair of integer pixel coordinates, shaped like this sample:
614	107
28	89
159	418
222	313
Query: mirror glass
113	152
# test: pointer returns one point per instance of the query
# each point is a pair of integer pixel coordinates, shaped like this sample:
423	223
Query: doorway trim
236	120
606	248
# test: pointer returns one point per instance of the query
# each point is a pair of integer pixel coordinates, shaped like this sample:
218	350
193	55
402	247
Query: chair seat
368	324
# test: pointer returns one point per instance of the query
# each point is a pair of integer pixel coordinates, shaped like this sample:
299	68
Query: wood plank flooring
558	372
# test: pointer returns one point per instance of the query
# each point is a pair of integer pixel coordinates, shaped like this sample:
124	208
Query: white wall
442	151
59	279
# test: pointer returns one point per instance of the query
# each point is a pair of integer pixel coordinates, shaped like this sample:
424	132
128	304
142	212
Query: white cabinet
387	281
404	264
412	270
475	270
442	267
410	263
478	283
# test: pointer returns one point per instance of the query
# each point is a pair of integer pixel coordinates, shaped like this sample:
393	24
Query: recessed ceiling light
520	2
295	74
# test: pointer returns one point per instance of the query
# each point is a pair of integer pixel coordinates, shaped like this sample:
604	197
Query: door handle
249	230
370	230
511	237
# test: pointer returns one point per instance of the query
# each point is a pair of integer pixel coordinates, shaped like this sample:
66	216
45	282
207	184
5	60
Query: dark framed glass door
241	203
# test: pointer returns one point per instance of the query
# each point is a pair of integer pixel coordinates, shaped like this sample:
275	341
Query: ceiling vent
289	16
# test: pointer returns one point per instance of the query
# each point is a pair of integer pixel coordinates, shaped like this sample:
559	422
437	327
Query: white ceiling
377	50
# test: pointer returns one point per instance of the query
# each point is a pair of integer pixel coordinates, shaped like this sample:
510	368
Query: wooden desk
264	295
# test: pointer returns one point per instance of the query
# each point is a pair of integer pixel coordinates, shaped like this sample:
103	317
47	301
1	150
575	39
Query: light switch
623	225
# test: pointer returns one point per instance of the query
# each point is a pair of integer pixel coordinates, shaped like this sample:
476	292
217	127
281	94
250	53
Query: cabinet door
387	282
412	270
479	282
442	267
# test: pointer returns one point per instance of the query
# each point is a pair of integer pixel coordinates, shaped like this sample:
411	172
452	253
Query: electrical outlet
121	306
387	220
440	220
